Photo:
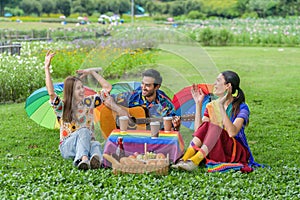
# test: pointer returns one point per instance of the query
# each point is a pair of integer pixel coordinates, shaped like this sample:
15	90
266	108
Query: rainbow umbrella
38	107
185	104
105	115
127	86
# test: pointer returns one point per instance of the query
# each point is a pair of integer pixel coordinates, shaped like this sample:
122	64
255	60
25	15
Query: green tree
191	5
83	6
77	7
242	6
48	6
31	7
162	8
36	7
102	6
114	6
288	8
2	5
16	11
8	4
150	7
124	7
225	8
140	2
263	8
176	9
64	6
26	6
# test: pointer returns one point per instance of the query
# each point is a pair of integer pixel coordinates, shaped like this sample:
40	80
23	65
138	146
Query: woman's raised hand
176	121
48	58
197	93
227	96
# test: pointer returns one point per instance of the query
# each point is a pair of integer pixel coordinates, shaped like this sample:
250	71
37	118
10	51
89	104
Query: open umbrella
117	88
185	104
7	15
127	86
38	108
105	115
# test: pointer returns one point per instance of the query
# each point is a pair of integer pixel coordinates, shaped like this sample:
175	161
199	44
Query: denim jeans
79	144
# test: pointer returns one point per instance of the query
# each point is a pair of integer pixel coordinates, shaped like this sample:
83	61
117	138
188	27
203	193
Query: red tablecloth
134	141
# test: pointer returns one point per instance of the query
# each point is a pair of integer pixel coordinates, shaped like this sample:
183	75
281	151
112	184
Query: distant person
219	135
148	96
75	115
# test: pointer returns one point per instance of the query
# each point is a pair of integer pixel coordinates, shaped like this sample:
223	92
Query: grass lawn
32	167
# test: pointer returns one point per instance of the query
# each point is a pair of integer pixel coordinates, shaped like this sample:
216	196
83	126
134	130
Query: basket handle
111	159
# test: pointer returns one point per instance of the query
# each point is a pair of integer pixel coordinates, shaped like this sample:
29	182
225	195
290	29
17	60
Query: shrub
21	75
223	37
252	15
67	61
16	77
160	18
57	20
2	19
194	14
206	37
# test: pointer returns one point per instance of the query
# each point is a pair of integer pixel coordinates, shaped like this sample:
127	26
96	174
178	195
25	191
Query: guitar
139	120
108	118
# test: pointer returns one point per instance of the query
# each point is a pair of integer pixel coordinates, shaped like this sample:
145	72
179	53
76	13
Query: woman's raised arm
48	80
198	97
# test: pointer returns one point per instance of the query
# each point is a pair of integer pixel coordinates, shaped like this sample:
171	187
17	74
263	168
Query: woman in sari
219	135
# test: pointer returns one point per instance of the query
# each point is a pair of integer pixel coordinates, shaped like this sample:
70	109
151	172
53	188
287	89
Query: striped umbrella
38	107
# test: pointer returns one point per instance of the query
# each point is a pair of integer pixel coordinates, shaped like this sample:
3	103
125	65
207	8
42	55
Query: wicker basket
157	166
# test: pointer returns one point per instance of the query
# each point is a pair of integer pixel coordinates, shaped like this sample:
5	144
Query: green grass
32	167
33	26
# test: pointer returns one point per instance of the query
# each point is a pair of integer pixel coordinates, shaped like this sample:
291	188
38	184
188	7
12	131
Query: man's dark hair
154	74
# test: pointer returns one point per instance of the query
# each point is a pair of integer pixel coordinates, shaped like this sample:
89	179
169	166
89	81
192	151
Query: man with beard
156	102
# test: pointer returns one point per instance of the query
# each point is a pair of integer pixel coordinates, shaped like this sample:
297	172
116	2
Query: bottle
120	149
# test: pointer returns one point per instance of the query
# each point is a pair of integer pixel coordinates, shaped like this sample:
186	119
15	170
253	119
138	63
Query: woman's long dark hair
234	79
69	85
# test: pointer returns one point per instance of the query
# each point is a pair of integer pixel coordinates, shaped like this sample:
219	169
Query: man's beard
149	94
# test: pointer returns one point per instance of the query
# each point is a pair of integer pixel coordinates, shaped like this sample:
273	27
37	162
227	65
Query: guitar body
108	118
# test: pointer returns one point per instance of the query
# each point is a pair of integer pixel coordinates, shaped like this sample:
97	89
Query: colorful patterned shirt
84	114
162	106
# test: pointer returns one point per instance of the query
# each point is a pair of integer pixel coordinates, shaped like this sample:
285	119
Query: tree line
192	8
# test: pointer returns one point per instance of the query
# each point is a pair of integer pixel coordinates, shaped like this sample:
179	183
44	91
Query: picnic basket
156	166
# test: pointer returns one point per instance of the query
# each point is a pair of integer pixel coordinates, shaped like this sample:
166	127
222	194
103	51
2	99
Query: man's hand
110	103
